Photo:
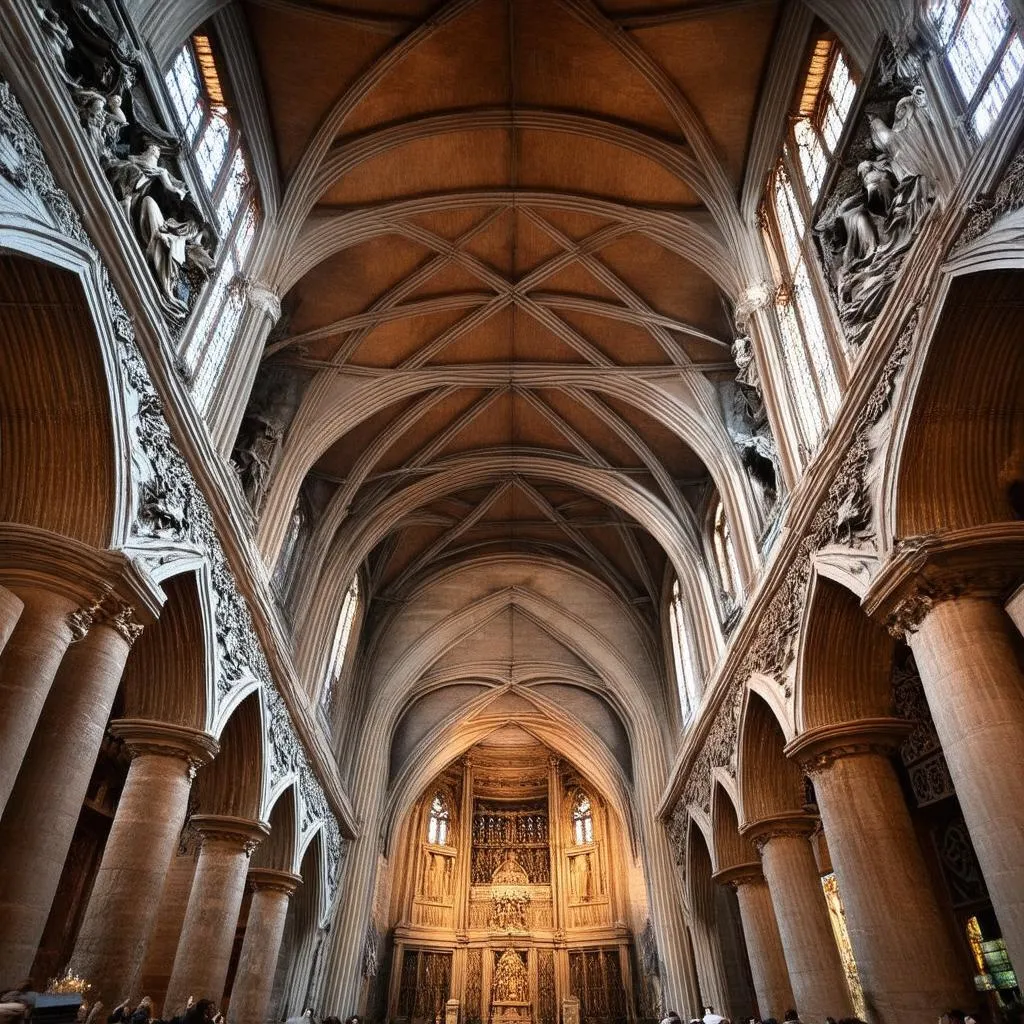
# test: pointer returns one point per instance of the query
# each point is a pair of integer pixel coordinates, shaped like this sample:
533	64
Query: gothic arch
957	451
65	463
843	659
729	849
233	783
280	849
769	783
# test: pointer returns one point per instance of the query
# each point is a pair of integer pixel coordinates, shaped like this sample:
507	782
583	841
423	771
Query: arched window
439	821
984	54
213	143
685	662
725	556
809	355
342	634
582	819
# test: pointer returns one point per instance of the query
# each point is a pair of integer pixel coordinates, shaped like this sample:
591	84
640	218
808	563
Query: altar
510	997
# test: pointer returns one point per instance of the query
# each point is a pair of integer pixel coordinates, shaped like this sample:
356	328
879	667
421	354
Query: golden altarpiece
508	898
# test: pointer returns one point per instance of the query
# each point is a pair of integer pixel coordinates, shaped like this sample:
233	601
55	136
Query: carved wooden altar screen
512	904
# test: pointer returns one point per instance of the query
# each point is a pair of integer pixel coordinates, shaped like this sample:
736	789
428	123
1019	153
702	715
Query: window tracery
215	147
582	819
809	353
984	53
439	821
725	557
684	659
342	636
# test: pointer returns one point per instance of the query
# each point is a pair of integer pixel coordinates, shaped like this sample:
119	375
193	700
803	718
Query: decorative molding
170	505
844	519
882	188
273	880
817	750
987	208
263	298
225	828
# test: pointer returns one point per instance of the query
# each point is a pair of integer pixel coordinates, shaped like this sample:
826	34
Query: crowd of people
792	1017
18	1003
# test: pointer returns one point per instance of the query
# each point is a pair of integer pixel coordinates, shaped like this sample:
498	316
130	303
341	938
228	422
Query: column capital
226	828
818	749
792	824
926	570
163	739
739	874
32	558
273	879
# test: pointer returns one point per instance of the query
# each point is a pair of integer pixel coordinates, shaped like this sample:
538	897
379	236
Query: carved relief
884	188
511	982
170	505
983	212
96	56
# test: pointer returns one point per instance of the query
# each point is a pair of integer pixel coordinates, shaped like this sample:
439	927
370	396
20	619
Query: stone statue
582	877
165	221
58	39
760	459
256	450
748	383
511	984
865	234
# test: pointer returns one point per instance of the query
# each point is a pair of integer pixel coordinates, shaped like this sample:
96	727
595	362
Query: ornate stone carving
984	211
119	616
170	505
754	297
79	621
96	56
910	612
371	956
263	298
511	982
256	450
873	215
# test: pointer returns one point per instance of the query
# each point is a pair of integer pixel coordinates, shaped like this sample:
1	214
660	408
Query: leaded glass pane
234	190
186	93
213	148
814	334
995	96
799	371
246	232
976	42
813	159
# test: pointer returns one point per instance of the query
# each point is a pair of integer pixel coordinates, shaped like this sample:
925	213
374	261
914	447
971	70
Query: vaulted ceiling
506	225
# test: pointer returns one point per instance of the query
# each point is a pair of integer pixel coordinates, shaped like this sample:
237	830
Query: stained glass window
439	821
685	663
582	820
196	90
984	52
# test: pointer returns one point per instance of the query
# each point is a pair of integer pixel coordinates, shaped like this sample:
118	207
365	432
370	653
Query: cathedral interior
511	511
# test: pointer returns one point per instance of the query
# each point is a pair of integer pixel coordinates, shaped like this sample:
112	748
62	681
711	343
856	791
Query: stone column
204	949
905	957
10	611
761	932
250	996
126	895
812	957
964	649
47	624
42	812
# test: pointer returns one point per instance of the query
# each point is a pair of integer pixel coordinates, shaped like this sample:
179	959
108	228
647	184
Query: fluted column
28	663
965	651
907	970
271	892
204	949
39	821
126	895
10	611
761	933
812	957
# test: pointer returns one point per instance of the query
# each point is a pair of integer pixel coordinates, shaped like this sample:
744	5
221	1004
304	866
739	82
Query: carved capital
792	825
240	833
119	616
263	298
740	874
818	749
272	880
161	739
757	296
79	622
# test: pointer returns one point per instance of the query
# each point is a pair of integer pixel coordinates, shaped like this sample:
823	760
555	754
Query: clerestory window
213	144
809	353
984	53
684	659
342	636
582	820
725	556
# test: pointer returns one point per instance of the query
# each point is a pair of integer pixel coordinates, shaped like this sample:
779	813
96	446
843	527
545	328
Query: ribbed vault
508	247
